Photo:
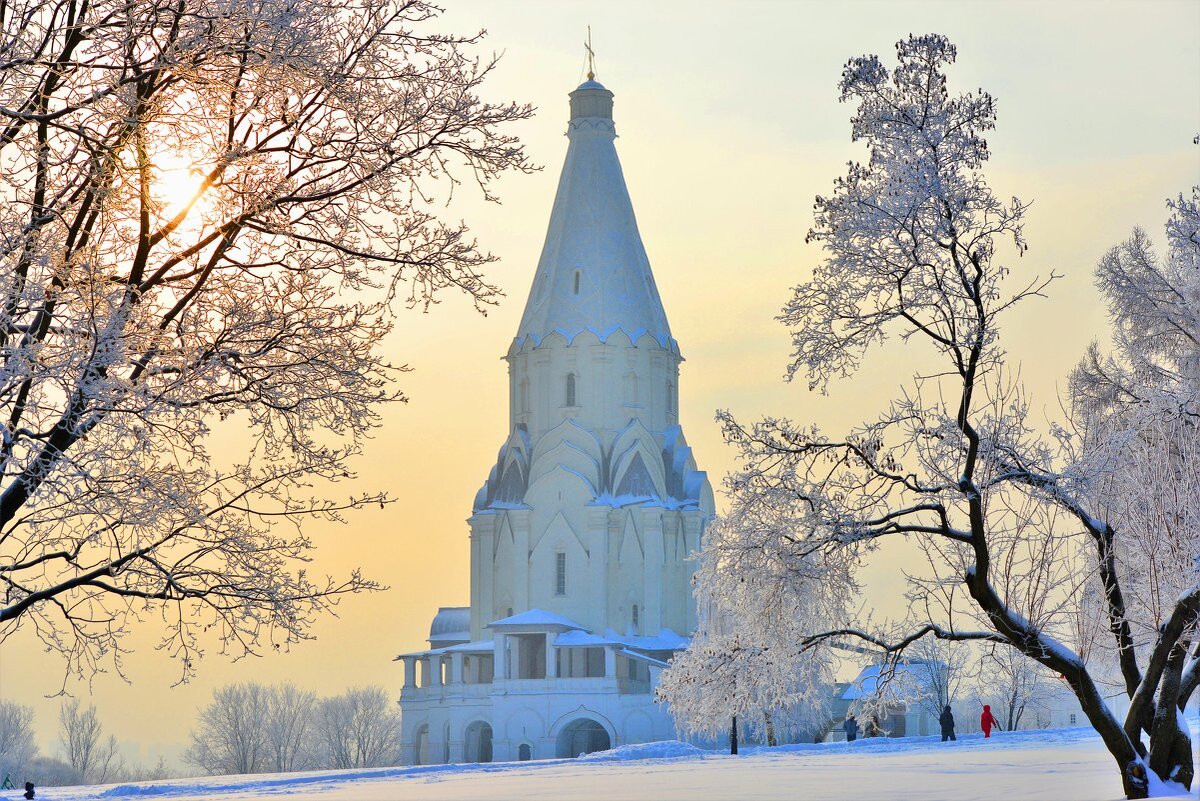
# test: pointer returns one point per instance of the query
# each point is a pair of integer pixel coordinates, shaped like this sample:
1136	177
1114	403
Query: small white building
580	578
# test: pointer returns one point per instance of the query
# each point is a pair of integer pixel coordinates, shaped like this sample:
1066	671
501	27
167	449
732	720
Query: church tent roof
593	274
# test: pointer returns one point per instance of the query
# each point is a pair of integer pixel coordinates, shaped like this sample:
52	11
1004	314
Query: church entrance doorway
479	742
423	745
582	736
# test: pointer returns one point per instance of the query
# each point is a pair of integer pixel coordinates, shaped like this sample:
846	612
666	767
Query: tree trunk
1170	746
733	736
770	725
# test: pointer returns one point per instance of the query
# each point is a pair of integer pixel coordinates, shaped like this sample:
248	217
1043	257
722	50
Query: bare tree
81	734
1016	684
912	239
230	736
288	729
209	209
359	729
941	668
17	744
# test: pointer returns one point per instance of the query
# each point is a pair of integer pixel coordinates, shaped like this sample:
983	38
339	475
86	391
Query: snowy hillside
1064	765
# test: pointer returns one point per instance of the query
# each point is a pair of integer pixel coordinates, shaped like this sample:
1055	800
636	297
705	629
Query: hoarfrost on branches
1016	528
211	211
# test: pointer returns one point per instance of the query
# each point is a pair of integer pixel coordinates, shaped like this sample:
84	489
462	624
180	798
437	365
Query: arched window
578	275
523	399
636	618
671	399
570	389
631	389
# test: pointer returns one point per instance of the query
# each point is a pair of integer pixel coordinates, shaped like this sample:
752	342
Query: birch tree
914	243
211	213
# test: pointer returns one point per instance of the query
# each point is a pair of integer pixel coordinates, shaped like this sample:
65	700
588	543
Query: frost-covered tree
913	242
942	668
1139	410
1015	685
17	743
359	729
744	659
230	736
95	758
288	729
211	212
248	728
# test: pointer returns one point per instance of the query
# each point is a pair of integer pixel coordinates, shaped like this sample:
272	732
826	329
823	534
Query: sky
729	124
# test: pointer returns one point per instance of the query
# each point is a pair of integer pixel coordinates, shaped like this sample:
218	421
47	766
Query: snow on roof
640	657
665	640
536	617
866	684
480	646
582	639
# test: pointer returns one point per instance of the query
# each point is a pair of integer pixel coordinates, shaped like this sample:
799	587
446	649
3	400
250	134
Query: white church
580	578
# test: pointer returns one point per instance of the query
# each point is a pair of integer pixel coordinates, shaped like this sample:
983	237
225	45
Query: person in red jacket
987	721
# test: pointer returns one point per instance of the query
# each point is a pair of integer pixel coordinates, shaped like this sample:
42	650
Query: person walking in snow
987	721
947	721
851	728
873	727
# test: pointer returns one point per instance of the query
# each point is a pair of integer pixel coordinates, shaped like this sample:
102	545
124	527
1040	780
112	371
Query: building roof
451	623
536	618
593	274
911	675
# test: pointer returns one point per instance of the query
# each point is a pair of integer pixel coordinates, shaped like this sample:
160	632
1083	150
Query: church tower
595	500
580	536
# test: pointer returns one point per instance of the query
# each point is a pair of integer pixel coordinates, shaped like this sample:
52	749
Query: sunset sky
729	125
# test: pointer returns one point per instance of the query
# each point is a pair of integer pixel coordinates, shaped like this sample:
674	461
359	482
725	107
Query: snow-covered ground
1062	765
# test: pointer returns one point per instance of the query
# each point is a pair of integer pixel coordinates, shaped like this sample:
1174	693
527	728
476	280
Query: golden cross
591	55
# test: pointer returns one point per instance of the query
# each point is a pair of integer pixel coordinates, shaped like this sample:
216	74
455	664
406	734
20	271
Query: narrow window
524	395
1072	718
577	273
670	397
635	618
570	389
560	574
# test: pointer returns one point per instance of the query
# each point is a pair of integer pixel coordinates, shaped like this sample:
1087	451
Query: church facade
580	536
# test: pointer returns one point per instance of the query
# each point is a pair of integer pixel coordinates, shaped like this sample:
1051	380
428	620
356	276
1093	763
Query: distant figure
987	721
873	727
851	727
947	721
29	790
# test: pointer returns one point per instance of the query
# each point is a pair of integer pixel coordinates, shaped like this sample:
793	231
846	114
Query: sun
177	180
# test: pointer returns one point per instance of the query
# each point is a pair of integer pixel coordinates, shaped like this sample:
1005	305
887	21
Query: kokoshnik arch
580	579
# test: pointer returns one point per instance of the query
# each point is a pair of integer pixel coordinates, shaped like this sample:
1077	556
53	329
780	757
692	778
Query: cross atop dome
591	56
